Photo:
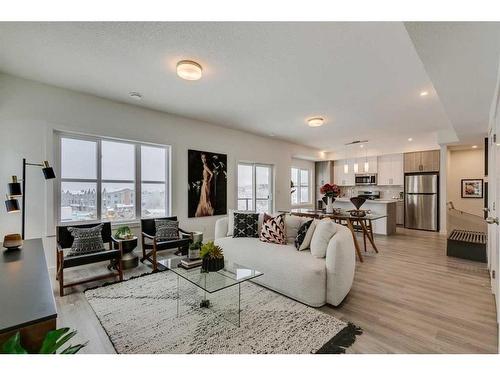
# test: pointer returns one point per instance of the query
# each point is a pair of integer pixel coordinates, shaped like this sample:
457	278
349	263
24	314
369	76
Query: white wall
31	111
465	164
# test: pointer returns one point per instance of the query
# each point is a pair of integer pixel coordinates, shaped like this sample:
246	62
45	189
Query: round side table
129	258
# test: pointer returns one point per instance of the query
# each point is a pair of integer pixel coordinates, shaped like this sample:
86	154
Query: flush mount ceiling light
189	70
135	95
424	93
314	122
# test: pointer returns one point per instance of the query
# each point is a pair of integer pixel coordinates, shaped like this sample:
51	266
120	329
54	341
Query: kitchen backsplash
386	192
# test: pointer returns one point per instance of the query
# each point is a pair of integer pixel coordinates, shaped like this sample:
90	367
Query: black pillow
246	225
301	233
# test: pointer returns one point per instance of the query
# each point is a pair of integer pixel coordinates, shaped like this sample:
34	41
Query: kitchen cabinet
400	213
422	161
370	162
340	177
390	170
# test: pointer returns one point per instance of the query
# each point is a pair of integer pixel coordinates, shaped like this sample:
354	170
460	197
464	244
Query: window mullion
138	182
99	180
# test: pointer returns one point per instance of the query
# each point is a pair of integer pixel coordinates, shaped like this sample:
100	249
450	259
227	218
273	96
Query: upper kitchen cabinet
367	165
390	170
344	176
422	161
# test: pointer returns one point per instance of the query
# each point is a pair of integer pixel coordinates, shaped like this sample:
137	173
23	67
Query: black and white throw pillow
166	230
301	234
273	229
86	240
246	225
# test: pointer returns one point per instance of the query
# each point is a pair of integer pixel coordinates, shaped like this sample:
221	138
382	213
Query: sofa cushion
246	225
166	230
230	221
86	240
294	273
306	244
273	229
301	234
292	226
325	229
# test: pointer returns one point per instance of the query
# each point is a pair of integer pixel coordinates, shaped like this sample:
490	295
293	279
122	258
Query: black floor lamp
15	190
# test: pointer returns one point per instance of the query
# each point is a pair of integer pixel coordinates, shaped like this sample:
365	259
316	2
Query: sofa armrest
221	227
340	265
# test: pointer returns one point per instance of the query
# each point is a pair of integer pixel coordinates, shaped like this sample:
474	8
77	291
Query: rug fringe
342	340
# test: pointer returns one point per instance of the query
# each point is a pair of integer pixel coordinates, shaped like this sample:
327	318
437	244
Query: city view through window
118	194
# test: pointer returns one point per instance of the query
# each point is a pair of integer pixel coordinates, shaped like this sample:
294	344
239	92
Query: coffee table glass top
231	274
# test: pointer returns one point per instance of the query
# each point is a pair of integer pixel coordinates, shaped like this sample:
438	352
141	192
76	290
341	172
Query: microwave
366	179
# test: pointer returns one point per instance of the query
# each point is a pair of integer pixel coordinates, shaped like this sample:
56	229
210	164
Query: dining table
353	222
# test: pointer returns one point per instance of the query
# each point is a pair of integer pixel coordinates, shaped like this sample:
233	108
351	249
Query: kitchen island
386	207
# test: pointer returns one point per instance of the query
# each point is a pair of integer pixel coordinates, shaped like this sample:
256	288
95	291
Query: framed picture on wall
472	188
207	183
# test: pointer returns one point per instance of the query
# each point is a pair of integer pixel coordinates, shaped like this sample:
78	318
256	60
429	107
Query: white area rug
140	316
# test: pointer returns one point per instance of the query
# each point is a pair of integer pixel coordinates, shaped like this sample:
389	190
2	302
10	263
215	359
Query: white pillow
325	229
230	220
292	226
309	234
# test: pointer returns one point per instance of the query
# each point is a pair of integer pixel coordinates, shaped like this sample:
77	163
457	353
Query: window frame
254	185
137	182
300	185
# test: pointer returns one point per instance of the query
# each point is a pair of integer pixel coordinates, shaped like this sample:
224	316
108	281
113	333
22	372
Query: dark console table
26	297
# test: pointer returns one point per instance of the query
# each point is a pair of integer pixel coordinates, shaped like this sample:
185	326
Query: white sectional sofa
296	274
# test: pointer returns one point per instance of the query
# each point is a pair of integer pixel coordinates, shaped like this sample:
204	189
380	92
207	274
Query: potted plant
124	233
212	257
330	191
194	250
52	342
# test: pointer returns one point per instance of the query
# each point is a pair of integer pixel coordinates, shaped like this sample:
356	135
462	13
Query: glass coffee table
224	288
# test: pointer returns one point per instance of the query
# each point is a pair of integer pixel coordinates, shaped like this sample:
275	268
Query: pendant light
367	165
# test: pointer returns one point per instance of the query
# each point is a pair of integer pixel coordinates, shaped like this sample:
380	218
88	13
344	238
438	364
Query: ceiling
268	78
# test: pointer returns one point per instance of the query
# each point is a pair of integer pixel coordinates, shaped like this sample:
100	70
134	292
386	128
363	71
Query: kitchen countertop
377	201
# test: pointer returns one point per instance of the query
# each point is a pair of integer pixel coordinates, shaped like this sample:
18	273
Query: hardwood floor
409	298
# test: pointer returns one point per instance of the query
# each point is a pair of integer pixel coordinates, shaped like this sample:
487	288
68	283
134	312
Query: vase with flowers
330	191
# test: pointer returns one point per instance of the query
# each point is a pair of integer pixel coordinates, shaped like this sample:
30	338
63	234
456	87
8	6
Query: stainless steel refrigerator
421	202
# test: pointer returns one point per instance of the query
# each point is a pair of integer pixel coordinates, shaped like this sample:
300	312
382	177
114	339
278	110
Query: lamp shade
47	170
12	205
15	188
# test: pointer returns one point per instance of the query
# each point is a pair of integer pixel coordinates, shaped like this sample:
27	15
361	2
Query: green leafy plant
211	251
195	245
123	233
52	342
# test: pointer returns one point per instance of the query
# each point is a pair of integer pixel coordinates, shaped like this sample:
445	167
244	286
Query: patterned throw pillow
86	240
246	225
273	229
301	234
166	230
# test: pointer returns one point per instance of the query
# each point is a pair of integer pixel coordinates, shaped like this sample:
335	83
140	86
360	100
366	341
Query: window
255	187
105	179
301	186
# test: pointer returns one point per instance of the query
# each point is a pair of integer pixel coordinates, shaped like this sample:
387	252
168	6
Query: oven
366	179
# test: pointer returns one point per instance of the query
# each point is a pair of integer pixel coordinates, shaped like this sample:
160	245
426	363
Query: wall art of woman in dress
204	205
207	184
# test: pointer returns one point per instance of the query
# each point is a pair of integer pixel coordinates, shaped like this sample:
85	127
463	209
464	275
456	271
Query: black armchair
64	240
151	245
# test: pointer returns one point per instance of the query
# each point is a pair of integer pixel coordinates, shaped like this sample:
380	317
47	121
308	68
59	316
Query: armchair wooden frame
151	245
64	240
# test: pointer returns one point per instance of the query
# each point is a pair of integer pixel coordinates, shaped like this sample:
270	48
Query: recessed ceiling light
424	93
189	70
135	95
361	146
314	122
475	146
410	139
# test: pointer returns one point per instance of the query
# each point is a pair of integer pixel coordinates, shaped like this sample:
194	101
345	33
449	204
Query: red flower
331	190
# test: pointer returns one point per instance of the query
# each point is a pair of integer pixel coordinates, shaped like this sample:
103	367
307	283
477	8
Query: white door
494	203
263	188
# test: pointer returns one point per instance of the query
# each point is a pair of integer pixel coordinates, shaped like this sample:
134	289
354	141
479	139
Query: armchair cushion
166	229
86	240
